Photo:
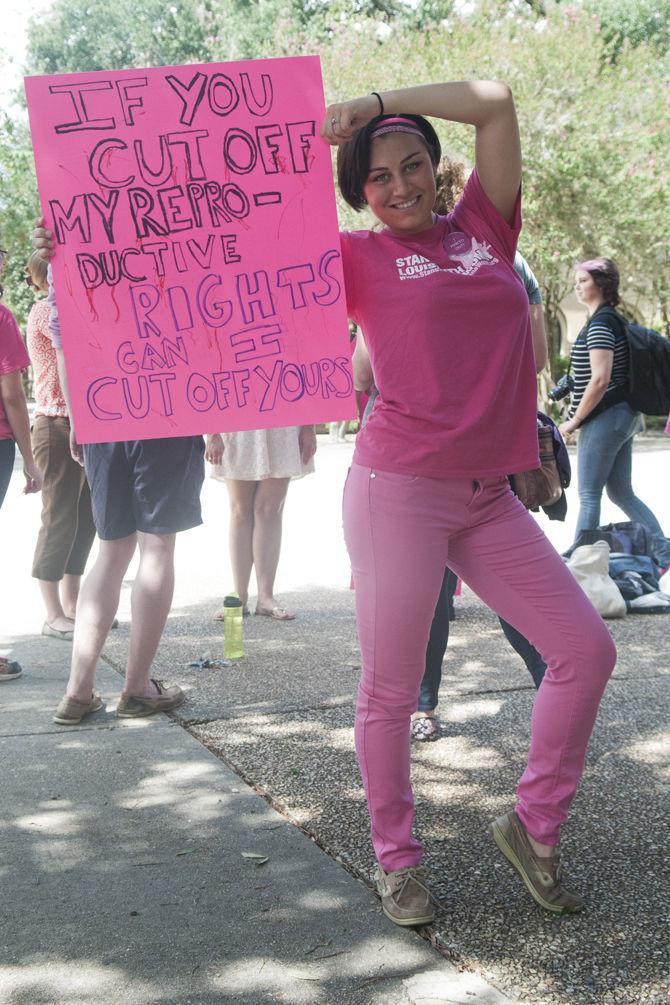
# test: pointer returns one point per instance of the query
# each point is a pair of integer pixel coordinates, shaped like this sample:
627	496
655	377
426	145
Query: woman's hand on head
214	448
344	117
43	240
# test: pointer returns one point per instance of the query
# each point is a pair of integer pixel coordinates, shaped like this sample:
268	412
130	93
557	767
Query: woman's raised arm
485	104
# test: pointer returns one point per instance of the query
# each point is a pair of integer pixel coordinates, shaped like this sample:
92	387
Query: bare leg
150	603
69	591
268	509
241	495
98	601
55	615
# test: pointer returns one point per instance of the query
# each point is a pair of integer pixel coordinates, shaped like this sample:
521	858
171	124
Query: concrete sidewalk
113	818
137	868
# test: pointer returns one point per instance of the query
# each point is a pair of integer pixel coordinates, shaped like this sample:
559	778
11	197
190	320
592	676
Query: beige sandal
220	615
276	612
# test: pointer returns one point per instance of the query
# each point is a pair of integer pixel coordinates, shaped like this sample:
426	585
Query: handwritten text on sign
197	273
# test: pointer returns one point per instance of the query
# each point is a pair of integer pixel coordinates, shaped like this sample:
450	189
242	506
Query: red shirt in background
13	357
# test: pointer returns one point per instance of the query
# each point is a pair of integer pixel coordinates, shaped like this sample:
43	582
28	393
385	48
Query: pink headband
397	124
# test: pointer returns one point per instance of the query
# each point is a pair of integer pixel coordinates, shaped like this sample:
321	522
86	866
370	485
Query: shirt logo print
415	267
471	254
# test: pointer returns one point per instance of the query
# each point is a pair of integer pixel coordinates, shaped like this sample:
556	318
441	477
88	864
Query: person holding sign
199	283
449	342
198	269
143	492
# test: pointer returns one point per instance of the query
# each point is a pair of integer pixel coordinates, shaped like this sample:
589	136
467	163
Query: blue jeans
604	461
439	638
7	451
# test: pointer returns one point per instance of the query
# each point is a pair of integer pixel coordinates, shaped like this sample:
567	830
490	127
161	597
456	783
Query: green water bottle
233	634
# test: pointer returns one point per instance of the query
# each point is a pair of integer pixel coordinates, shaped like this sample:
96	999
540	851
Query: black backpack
649	370
648	389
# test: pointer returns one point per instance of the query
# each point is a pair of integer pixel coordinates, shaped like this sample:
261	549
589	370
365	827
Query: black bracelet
379	99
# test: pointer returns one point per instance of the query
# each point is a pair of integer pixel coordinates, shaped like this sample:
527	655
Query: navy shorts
148	485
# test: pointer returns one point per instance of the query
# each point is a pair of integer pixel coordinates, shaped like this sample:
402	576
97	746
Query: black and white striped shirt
600	332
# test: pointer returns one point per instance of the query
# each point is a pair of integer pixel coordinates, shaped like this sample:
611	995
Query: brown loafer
541	876
406	899
71	711
133	706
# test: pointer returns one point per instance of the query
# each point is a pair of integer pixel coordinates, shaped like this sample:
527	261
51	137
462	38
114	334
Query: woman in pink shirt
67	530
448	339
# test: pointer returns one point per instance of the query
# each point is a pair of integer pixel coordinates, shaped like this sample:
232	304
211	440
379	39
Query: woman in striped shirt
607	423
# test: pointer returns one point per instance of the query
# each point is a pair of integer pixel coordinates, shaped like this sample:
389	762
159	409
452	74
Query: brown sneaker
406	899
542	876
9	670
71	711
132	706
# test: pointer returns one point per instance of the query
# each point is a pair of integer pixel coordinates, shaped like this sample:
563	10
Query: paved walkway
138	868
125	877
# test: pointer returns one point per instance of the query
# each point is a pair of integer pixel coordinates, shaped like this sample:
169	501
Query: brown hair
353	157
36	267
605	274
449	185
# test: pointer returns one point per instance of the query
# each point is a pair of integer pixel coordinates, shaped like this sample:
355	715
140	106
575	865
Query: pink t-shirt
13	357
446	323
49	398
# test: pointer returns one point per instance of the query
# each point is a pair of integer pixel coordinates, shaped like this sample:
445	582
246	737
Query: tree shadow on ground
134	869
302	760
283	719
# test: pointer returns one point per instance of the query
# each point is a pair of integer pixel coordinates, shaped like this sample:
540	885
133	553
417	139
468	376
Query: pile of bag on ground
616	568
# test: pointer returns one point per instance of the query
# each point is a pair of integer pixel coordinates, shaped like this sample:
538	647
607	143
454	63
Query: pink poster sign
197	273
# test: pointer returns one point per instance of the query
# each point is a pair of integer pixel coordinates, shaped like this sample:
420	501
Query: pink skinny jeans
401	531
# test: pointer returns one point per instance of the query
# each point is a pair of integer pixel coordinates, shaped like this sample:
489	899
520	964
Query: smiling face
586	290
400	188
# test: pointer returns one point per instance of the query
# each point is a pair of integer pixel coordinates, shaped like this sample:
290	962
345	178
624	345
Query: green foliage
596	137
589	79
81	35
634	23
18	208
427	14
